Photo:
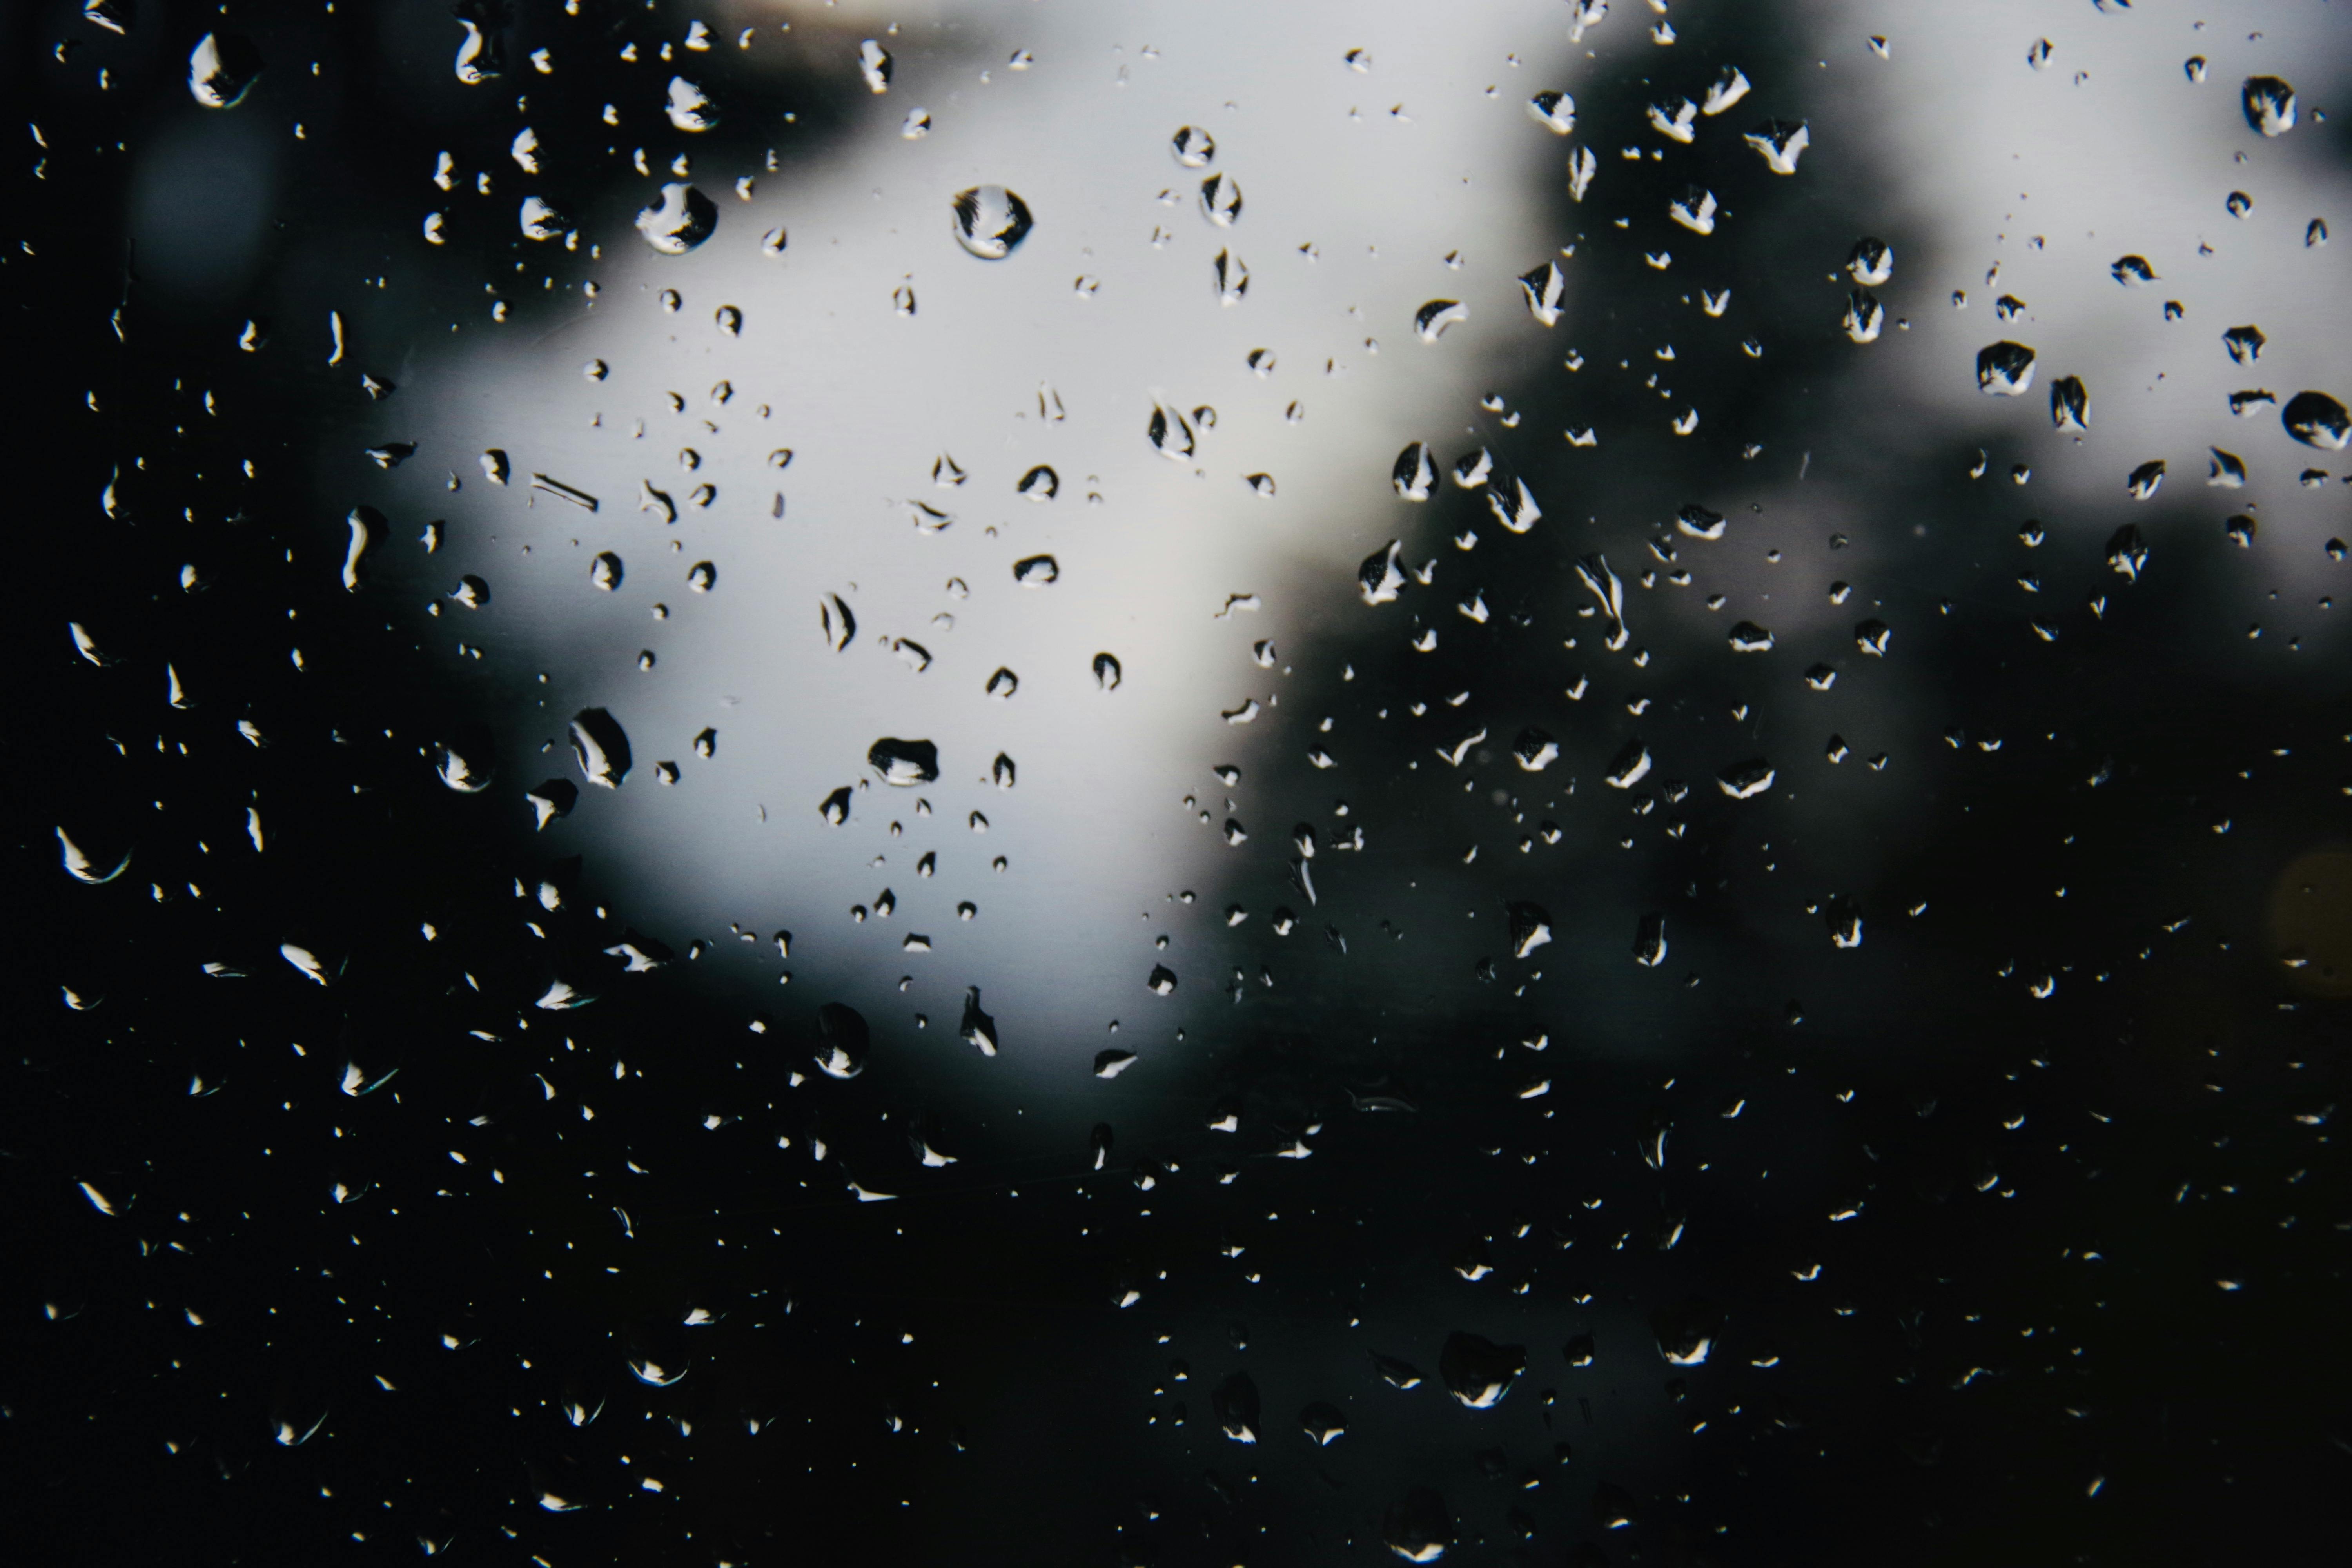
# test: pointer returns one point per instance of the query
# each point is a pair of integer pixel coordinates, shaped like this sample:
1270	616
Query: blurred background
816	865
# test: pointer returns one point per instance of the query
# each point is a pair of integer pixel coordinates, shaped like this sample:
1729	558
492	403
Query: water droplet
368	529
1675	121
2238	204
1413	473
2127	552
904	763
2269	104
600	747
689	107
873	63
1745	781
1003	772
1728	88
1699	522
1170	433
1431	321
1477	1372
977	1028
1581	166
728	319
2070	404
2245	343
839	626
1871	636
1749	637
1107	671
1323	1424
221	68
551	799
1236	1404
1649	951
1041	483
1534	750
1472	470
1037	571
1232	277
2316	419
916	126
1872	262
773	243
2004	369
844	1041
1531	927
82	867
1003	684
1193	147
1555	111
464	763
991	222
683	220
1162	980
1631	766
1865	317
1220	200
1542	289
835	808
1419	1528
1379	578
1780	144
541	220
2193	68
2145	480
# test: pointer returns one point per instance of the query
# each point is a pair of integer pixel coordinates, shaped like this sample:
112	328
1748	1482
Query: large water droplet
1542	289
873	63
1419	1528
2004	369
1107	671
2269	104
1413	473
2316	419
843	1040
1872	262
1170	433
689	107
221	68
2070	404
904	763
1220	200
1037	571
1479	1372
991	222
683	220
1780	144
600	746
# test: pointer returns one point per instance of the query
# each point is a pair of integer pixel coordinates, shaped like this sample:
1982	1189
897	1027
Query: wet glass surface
1179	784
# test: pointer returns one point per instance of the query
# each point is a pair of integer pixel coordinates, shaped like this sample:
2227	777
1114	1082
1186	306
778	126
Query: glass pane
1180	785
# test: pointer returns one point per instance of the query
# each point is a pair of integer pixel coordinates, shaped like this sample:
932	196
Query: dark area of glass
1846	1077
